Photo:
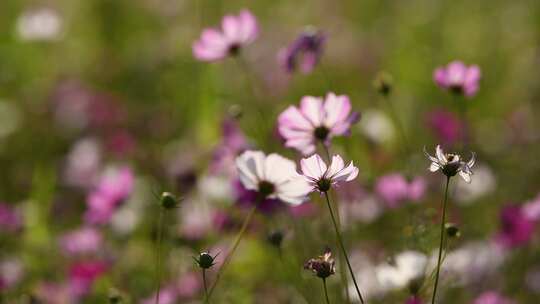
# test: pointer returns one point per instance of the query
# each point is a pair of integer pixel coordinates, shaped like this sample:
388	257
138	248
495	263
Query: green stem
232	250
325	291
158	254
205	286
399	126
441	241
343	250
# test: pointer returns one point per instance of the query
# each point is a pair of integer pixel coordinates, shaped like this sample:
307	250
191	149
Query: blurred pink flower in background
414	300
10	218
120	143
233	142
394	189
83	274
531	209
317	119
187	286
113	188
83	163
236	32
516	229
81	241
446	126
458	78
304	52
492	297
11	273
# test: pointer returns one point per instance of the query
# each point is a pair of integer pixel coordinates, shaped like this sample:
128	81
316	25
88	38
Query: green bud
168	201
205	260
452	230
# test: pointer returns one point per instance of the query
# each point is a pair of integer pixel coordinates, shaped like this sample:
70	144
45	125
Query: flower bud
323	266
383	83
205	260
452	230
235	111
275	238
168	201
115	296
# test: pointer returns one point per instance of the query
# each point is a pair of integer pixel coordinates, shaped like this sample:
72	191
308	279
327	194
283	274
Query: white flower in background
196	218
272	176
11	272
406	267
129	215
377	126
484	183
215	187
83	163
364	210
451	164
42	24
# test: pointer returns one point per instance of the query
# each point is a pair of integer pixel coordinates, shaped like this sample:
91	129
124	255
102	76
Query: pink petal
249	27
337	109
312	108
313	167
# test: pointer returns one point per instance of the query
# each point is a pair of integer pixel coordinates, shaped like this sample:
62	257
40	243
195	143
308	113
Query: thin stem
232	250
325	291
399	126
340	241
205	286
441	242
158	254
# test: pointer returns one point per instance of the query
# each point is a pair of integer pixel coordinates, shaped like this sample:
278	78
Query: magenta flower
114	188
458	78
82	241
233	142
304	52
83	274
516	229
394	189
414	300
316	121
492	297
236	32
446	126
10	218
321	177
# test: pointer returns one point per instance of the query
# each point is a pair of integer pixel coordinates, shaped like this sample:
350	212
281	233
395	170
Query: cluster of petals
451	164
316	120
320	176
304	52
236	32
394	189
458	77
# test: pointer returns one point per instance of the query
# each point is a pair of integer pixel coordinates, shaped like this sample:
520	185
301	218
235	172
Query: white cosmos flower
273	176
407	266
321	177
451	164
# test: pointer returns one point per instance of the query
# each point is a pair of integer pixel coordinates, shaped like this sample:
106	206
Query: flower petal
278	169
336	165
232	28
312	108
471	162
434	167
313	167
294	191
249	28
466	176
250	165
440	155
347	174
337	108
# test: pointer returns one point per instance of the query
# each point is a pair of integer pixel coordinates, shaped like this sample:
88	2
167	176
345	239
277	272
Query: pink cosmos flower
414	300
516	229
10	218
492	297
304	52
236	32
82	241
233	142
446	126
83	274
114	188
458	78
394	189
316	120
321	177
272	177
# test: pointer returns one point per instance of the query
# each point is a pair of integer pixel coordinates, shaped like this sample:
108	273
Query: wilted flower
205	260
458	78
304	52
322	266
492	297
272	176
81	241
516	229
236	32
316	121
322	178
394	189
451	164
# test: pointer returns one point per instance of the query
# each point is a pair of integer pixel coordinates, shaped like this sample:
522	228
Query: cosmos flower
414	300
316	120
492	297
10	218
322	266
516	229
83	274
446	126
236	32
458	78
43	24
272	176
394	189
304	52
321	177
406	267
451	164
81	241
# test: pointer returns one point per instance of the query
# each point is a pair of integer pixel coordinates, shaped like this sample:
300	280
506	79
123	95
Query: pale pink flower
458	78
272	176
236	32
451	164
82	241
492	297
321	177
394	189
317	120
10	218
531	209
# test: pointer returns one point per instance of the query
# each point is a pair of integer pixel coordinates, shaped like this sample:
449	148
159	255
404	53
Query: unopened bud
205	260
452	230
168	201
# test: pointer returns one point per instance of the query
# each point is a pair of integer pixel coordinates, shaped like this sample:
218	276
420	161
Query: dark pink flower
82	241
516	229
83	274
414	300
394	189
317	120
458	78
304	52
492	297
446	126
236	32
121	143
113	188
10	218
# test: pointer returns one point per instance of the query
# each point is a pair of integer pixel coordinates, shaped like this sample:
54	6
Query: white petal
250	165
347	174
313	167
278	169
434	167
336	166
431	158
471	162
294	191
337	109
466	176
440	155
312	108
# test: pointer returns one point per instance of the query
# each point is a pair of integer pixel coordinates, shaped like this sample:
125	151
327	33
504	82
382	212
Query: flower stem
205	286
325	291
399	125
158	254
441	241
232	250
340	241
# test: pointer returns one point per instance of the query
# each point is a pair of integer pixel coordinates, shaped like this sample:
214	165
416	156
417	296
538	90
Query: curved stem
340	241
441	241
232	250
158	254
325	291
205	286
